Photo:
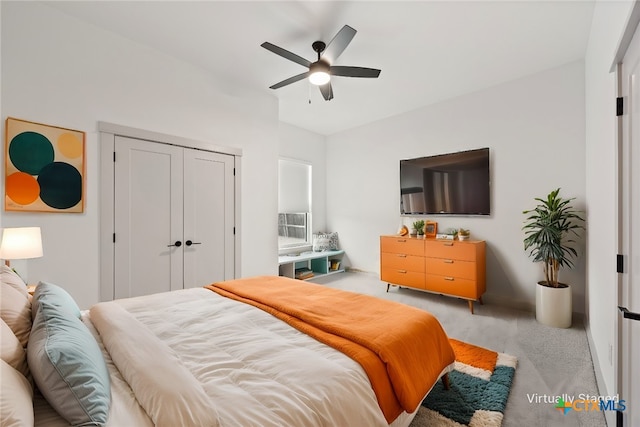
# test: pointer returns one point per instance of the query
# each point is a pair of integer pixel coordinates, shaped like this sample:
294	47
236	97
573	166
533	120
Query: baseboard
357	270
609	416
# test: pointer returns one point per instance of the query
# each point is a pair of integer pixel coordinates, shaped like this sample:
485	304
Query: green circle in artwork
60	185
30	152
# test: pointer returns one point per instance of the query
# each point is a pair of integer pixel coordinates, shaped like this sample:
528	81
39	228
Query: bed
221	356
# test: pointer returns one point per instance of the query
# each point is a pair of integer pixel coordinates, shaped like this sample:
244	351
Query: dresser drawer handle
402	255
402	271
448	261
402	240
449	279
448	243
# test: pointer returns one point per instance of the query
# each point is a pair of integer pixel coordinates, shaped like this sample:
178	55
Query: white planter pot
553	306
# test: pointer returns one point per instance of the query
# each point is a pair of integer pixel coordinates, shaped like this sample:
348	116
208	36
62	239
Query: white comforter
193	357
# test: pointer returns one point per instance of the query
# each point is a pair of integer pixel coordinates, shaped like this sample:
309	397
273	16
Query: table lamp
20	243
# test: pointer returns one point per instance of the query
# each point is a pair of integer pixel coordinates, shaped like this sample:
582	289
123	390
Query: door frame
621	127
107	135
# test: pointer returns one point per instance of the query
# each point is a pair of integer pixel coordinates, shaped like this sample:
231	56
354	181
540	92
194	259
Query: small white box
444	236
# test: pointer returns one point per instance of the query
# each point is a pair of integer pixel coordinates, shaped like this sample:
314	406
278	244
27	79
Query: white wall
61	71
609	21
534	128
300	144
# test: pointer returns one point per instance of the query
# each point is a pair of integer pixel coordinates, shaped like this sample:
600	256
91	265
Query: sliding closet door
148	217
209	253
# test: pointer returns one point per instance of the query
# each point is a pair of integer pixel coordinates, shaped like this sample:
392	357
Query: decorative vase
460	237
553	305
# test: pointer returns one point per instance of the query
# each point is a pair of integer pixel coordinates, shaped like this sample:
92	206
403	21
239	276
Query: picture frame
430	229
44	167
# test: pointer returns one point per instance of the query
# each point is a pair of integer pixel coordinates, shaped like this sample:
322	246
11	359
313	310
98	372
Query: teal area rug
480	385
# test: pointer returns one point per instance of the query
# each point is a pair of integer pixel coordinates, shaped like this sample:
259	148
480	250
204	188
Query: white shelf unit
318	262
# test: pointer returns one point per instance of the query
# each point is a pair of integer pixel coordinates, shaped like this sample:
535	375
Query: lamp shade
21	243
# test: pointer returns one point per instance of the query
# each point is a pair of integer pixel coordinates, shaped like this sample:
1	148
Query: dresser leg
388	284
470	306
480	300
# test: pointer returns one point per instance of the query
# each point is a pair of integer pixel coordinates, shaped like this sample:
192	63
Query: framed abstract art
44	170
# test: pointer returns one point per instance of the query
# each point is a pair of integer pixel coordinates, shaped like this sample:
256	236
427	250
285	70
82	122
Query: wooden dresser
447	267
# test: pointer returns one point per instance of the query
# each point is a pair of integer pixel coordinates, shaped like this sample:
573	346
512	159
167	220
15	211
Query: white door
209	254
148	217
173	217
629	296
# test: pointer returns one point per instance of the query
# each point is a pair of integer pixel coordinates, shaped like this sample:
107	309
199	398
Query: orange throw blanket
402	349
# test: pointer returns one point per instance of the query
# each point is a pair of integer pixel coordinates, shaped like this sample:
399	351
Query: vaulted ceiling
429	51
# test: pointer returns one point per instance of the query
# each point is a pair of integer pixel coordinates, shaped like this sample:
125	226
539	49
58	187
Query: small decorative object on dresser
418	226
431	229
463	234
446	267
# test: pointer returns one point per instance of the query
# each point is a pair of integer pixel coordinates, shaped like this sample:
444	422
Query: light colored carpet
550	361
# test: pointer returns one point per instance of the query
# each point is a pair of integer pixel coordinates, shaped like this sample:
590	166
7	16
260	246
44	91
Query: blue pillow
67	364
54	296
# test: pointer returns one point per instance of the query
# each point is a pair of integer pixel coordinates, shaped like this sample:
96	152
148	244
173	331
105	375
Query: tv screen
450	184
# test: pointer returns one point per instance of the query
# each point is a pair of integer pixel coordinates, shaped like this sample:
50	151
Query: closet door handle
177	244
189	243
629	314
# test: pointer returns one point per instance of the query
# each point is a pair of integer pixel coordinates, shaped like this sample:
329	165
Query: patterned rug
479	390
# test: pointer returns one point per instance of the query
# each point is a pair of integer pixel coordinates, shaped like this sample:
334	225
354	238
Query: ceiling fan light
319	78
319	73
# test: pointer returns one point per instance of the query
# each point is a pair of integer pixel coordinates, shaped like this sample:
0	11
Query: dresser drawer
451	268
464	288
402	262
403	277
402	245
450	249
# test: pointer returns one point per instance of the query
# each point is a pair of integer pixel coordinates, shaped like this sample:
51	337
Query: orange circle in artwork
69	145
22	188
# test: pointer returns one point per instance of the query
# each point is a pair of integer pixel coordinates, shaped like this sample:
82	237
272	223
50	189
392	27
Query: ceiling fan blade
289	80
327	91
286	54
338	44
354	71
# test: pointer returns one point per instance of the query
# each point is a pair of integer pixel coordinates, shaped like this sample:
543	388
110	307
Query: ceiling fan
320	71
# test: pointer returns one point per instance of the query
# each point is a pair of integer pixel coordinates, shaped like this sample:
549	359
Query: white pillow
11	351
325	241
16	398
15	310
10	277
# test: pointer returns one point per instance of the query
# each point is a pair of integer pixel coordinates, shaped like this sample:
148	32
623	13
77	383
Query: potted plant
418	226
549	229
452	233
463	234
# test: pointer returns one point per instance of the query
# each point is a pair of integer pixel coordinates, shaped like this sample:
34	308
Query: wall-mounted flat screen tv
447	184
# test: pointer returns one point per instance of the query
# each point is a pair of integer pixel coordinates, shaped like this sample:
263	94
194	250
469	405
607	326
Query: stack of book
303	273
